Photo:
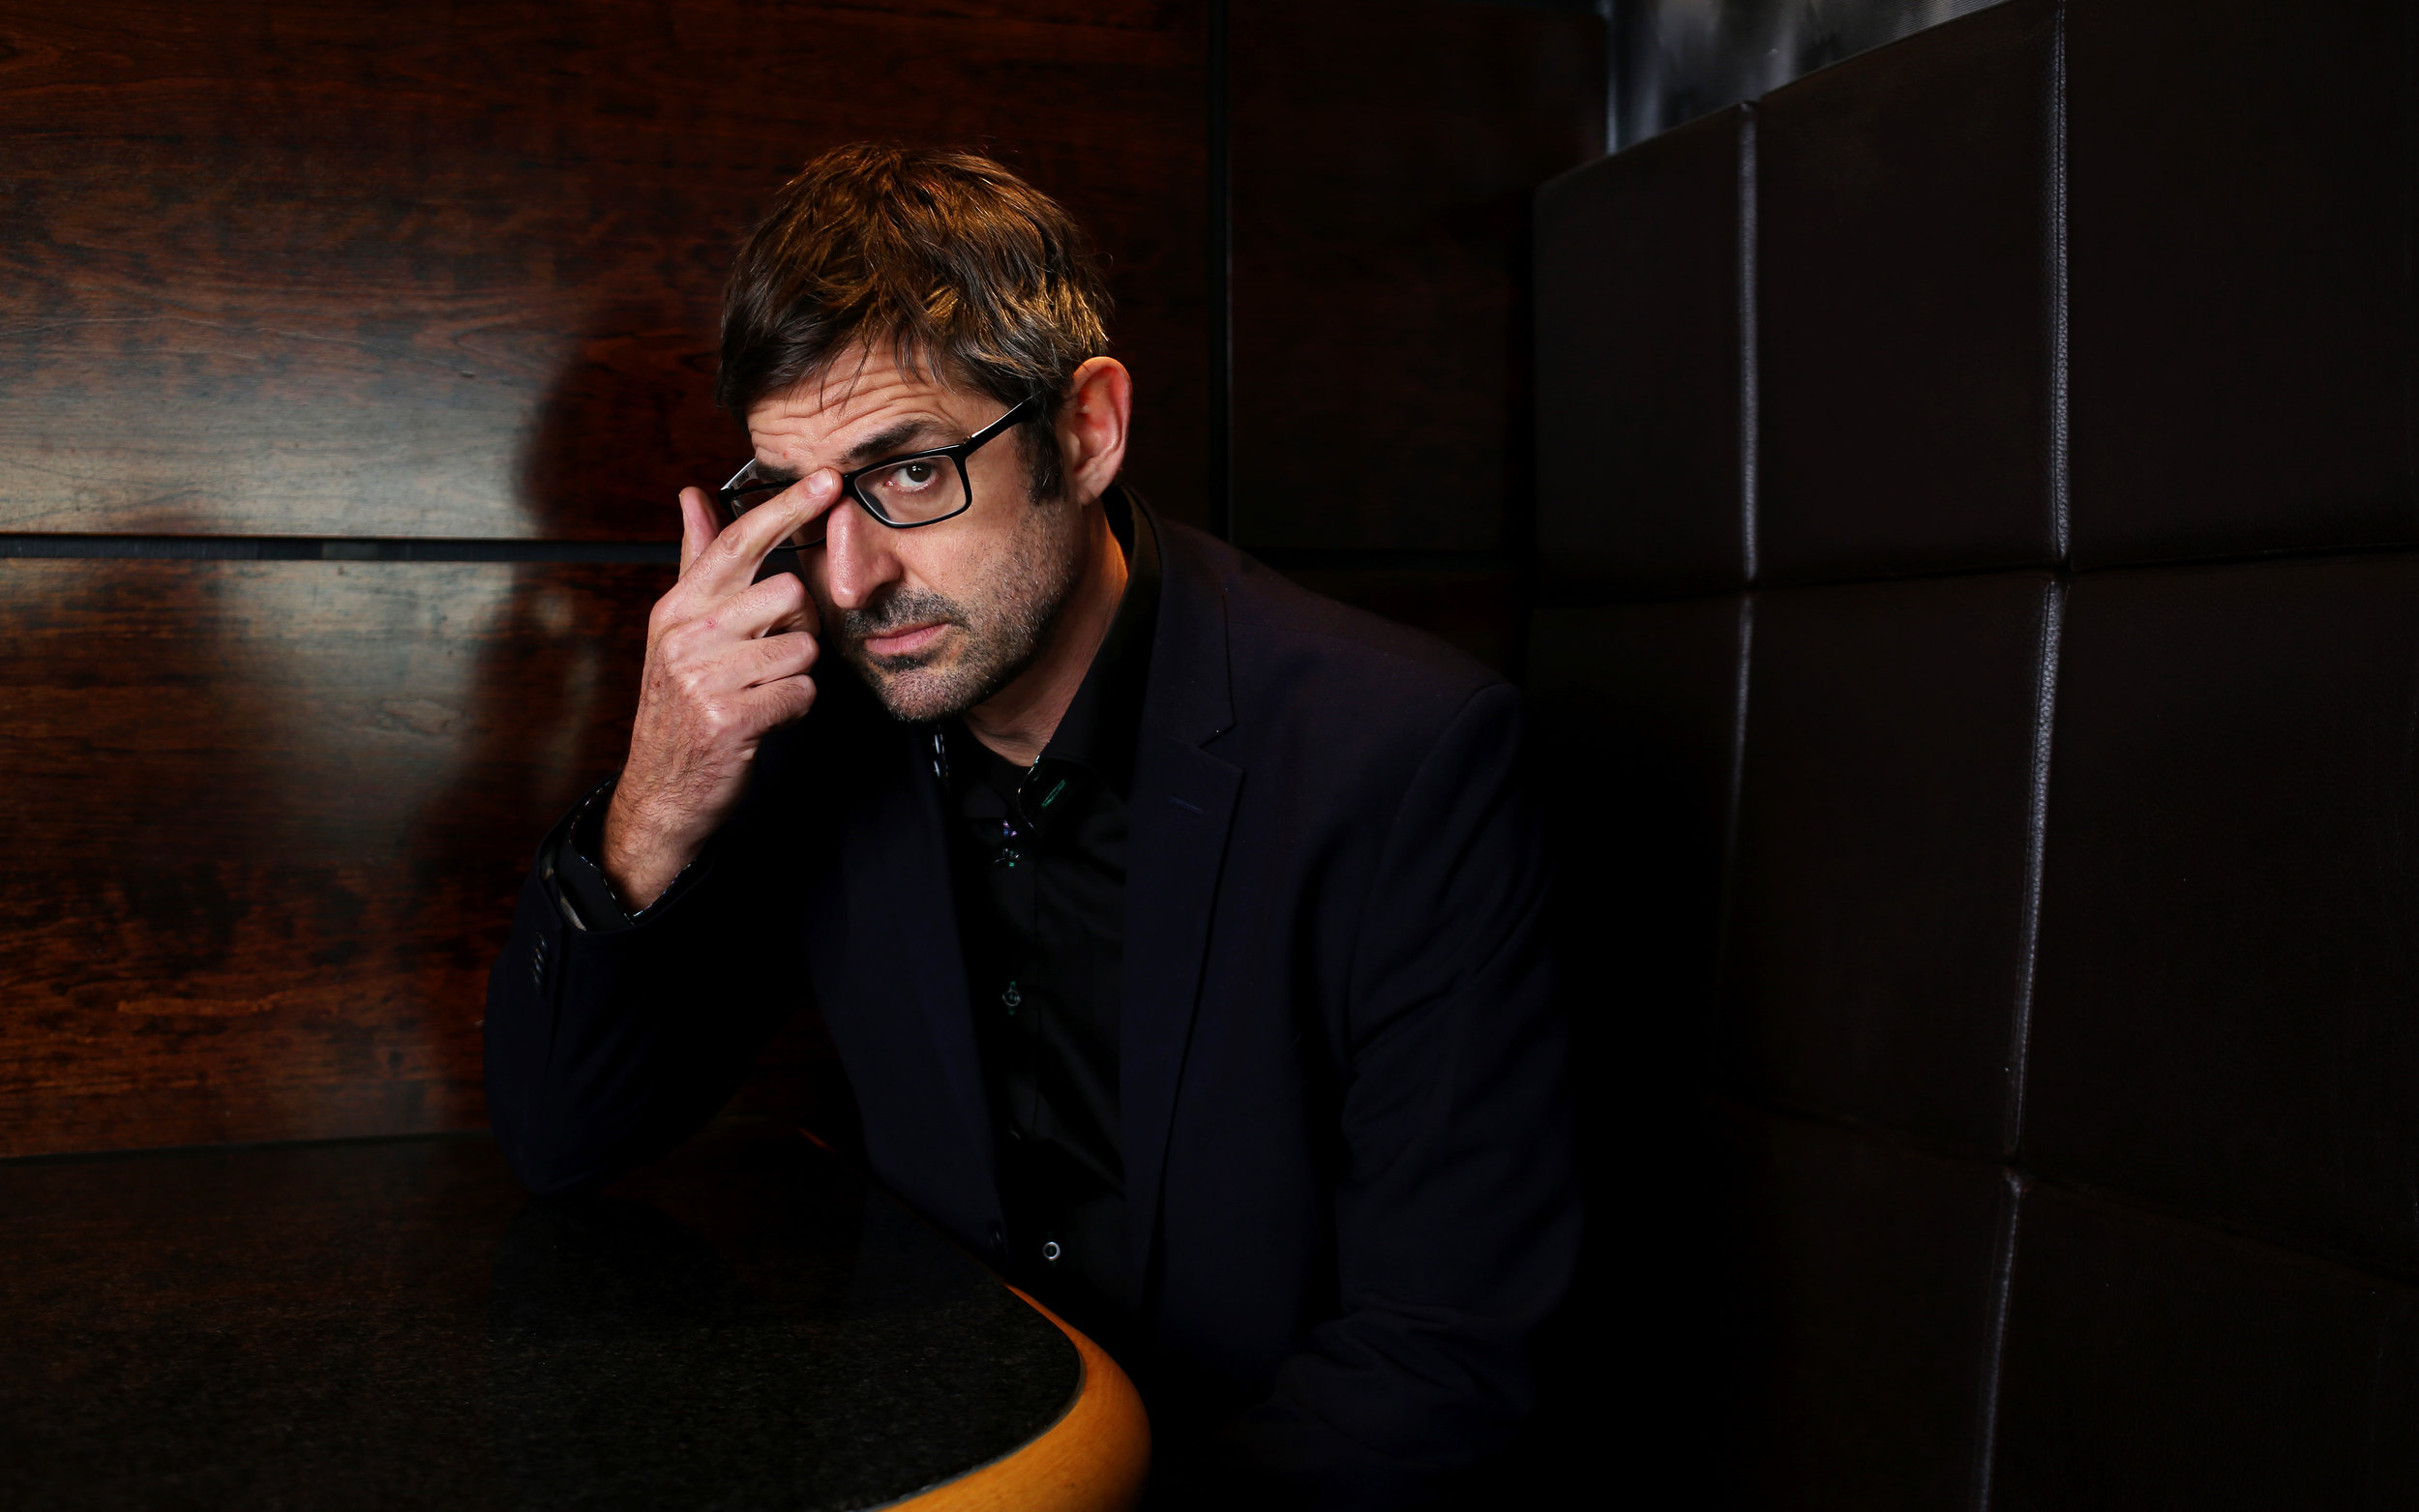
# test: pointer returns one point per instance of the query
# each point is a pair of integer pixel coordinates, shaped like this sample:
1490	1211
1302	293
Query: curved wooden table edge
1094	1459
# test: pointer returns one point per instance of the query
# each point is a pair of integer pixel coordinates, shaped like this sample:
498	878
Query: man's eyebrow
887	442
894	440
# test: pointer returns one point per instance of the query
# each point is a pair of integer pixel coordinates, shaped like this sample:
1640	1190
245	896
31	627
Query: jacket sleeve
606	1046
1457	1213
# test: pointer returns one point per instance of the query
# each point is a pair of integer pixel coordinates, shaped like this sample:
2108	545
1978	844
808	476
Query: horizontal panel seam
331	549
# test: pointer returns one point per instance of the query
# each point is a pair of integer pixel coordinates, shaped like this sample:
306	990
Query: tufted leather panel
2045	872
1638	369
2241	244
1858	1290
2230	901
2152	1364
1874	957
1903	326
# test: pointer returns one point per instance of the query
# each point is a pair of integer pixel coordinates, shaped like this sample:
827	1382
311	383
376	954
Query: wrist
641	856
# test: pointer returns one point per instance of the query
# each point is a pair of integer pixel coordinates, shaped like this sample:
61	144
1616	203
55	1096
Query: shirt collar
1093	744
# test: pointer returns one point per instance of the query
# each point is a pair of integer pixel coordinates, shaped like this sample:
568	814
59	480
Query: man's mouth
907	640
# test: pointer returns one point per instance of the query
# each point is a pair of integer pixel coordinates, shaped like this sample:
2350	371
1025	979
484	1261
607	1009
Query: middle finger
779	602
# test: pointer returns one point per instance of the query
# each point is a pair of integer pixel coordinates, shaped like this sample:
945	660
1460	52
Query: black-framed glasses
903	493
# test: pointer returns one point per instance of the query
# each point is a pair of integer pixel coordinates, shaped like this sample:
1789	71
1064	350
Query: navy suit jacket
1345	1125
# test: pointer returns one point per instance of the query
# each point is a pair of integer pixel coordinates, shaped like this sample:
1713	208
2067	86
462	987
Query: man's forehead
837	410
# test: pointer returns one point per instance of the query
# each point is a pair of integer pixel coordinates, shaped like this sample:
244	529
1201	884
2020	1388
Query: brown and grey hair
970	273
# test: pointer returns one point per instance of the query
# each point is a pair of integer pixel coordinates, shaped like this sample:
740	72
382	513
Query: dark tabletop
392	1324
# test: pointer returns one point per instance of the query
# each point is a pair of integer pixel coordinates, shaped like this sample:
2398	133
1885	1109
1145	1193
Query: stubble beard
999	634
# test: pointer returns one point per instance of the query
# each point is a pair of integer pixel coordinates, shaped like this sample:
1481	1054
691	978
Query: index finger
741	547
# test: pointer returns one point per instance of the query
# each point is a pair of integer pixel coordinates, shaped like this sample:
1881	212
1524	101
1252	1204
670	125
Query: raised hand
727	663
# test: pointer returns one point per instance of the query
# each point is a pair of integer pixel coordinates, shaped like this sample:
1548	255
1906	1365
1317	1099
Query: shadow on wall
627	422
1636	758
630	419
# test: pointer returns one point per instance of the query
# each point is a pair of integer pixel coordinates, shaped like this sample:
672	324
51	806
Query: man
1180	931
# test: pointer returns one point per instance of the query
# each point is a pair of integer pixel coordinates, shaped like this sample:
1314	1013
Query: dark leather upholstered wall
1979	541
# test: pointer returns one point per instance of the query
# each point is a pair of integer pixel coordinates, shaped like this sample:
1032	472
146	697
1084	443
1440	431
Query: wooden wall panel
265	822
435	269
439	271
1384	157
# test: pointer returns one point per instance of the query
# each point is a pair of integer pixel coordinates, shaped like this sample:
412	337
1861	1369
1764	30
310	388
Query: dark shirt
1038	856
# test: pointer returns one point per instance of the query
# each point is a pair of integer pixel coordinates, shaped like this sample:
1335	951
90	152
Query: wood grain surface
433	270
1384	157
425	269
265	823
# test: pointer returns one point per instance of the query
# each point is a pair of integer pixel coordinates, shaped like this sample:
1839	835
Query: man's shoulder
1293	649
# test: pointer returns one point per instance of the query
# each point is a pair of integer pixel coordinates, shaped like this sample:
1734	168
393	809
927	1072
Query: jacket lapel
1184	803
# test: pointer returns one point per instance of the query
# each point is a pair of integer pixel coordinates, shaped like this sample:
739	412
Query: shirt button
1011	999
1051	1252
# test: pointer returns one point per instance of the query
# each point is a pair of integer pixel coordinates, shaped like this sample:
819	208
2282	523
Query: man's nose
856	556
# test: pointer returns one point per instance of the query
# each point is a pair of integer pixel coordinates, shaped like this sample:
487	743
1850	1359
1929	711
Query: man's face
939	618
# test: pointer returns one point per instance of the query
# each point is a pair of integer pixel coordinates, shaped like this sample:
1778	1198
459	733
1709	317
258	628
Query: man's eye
917	474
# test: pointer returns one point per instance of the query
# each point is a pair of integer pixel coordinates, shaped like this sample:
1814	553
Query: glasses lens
915	491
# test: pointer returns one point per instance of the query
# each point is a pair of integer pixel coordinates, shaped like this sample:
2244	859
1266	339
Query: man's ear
1091	426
